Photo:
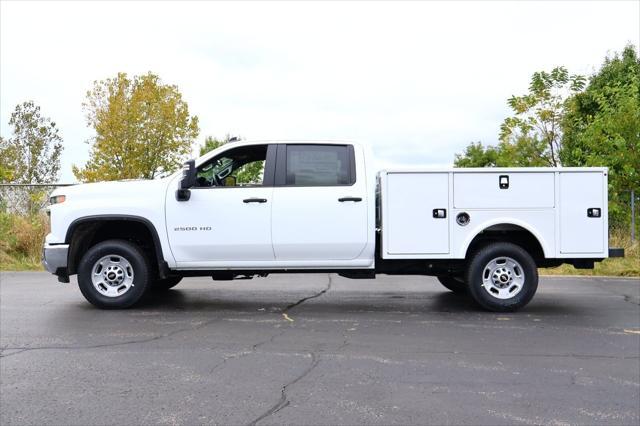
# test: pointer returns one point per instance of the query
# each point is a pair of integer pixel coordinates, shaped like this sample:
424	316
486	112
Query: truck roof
229	145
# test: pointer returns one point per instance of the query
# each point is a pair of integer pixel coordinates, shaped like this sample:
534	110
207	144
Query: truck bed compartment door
582	212
417	210
503	190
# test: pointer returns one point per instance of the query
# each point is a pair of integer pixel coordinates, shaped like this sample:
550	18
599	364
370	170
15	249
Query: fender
505	221
163	268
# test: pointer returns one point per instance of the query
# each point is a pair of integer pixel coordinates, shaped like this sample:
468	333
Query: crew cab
250	209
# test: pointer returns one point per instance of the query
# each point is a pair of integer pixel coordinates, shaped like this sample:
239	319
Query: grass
21	240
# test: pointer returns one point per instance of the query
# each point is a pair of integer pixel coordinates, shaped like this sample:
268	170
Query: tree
32	155
476	155
6	166
143	129
602	127
522	152
532	136
536	125
211	143
249	173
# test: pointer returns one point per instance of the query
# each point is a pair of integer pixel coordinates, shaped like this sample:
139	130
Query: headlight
57	199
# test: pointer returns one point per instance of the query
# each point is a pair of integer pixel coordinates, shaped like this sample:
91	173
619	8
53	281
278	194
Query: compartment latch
594	212
439	213
503	181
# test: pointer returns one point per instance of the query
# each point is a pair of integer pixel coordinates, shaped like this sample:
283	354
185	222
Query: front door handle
354	199
254	200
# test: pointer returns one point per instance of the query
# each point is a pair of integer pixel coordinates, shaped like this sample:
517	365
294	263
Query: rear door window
319	165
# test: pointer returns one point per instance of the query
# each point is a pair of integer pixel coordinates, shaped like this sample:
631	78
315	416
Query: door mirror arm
188	181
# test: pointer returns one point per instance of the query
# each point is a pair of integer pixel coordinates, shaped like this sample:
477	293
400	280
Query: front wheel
113	274
502	277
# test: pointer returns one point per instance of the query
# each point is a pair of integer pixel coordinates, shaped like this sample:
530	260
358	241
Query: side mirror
188	181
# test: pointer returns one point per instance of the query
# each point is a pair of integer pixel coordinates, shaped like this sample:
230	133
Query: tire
113	274
502	277
165	284
454	284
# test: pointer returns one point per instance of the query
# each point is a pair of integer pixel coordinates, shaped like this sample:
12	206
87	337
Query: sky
417	81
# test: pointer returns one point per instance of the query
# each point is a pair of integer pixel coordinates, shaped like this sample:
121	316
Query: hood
115	189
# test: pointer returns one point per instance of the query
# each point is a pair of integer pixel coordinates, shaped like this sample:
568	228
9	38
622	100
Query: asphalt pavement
319	349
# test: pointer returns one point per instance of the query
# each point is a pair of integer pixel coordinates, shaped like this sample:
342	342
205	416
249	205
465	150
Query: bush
21	239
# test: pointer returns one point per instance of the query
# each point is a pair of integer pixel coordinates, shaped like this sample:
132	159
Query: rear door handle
254	200
354	199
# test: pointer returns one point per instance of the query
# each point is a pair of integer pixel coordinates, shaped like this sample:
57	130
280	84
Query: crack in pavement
253	350
633	299
304	299
20	350
284	398
315	360
106	345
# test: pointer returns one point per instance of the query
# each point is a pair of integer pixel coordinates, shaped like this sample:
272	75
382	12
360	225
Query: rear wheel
455	284
502	277
113	274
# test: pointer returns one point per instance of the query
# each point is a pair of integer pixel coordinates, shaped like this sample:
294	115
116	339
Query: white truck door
582	212
228	216
319	207
417	213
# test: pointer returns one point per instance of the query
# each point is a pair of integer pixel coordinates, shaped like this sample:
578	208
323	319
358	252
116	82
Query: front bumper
54	260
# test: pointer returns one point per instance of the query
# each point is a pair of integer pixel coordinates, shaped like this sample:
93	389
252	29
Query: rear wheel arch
87	231
508	233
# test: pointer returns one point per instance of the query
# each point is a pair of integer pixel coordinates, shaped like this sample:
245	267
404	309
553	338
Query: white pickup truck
254	208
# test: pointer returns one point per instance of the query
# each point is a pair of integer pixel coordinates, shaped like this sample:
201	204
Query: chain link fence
25	198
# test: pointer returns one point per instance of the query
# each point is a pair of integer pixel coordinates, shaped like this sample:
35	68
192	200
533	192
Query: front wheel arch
88	231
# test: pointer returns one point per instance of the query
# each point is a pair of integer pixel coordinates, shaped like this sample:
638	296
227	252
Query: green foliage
477	155
32	154
532	136
6	162
521	152
211	143
21	238
535	126
602	128
250	173
143	129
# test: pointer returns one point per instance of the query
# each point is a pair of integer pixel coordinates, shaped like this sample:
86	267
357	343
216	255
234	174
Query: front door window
243	166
